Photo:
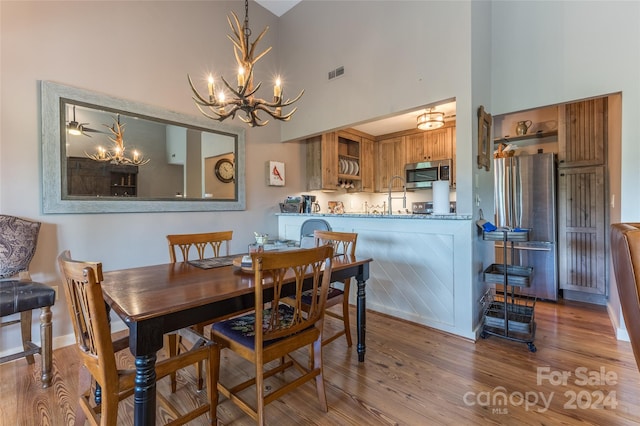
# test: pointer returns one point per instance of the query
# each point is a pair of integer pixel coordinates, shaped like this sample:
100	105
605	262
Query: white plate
343	166
356	168
350	169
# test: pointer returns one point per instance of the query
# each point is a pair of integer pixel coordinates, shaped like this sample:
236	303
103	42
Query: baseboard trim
579	296
621	332
60	341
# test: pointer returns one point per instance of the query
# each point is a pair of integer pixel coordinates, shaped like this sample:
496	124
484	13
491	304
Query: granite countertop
450	216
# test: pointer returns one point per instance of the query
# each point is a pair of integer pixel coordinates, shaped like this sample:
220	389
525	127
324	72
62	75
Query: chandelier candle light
219	107
117	155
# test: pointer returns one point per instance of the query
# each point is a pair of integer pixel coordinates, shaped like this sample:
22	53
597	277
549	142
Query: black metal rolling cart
508	310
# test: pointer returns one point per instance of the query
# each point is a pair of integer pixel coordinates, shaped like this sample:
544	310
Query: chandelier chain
247	30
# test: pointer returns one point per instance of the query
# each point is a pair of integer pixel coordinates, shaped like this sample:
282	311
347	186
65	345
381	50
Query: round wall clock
224	170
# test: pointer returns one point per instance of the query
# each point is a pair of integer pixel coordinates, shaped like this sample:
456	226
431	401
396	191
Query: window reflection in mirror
180	161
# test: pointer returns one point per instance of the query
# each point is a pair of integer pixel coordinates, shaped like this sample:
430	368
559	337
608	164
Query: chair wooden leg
199	367
25	329
213	372
84	384
260	393
317	364
45	342
109	411
171	342
345	315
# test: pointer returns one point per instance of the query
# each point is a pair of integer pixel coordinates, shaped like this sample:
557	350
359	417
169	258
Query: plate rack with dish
348	156
348	167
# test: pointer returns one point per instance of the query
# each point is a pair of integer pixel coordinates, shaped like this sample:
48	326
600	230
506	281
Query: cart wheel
532	347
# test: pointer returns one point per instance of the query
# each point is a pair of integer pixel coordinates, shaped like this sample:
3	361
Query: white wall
134	50
545	53
480	180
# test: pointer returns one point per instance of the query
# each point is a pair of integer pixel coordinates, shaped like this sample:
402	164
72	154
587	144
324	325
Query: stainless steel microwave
422	175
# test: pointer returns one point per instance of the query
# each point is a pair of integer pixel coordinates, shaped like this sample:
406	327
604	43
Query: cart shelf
506	235
516	275
518	324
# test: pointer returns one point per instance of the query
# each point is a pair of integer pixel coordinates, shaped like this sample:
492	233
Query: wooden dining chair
186	242
88	313
203	244
343	243
275	330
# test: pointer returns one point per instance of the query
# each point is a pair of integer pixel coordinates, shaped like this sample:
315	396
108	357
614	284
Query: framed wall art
275	173
484	139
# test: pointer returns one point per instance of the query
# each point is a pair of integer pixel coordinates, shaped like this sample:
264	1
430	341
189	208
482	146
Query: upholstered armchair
625	256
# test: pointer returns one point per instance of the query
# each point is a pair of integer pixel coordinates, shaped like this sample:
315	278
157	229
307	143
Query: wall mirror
102	154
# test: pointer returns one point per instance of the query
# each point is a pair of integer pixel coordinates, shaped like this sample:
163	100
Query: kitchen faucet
404	194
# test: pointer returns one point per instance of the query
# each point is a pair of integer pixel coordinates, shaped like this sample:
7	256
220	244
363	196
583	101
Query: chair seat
19	296
242	329
333	292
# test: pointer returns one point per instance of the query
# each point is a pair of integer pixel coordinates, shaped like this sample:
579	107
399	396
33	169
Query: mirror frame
54	162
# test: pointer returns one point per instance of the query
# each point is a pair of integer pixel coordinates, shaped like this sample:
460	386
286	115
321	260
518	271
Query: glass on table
256	248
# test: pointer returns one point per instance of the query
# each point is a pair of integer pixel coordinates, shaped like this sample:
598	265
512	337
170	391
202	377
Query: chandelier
430	120
117	154
218	106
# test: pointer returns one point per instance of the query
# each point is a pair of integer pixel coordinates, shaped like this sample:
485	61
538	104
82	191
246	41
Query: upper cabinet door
429	145
438	144
322	162
582	133
367	164
414	145
391	160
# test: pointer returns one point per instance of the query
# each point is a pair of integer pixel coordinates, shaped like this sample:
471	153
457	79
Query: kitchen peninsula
420	264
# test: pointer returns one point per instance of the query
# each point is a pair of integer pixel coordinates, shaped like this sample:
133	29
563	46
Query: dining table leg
144	396
361	316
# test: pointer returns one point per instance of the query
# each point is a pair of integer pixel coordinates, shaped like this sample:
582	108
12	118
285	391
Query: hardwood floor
412	376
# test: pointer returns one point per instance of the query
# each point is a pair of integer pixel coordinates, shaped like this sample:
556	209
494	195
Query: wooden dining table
158	299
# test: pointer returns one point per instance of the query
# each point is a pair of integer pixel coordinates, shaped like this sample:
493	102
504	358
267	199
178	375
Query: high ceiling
278	7
400	122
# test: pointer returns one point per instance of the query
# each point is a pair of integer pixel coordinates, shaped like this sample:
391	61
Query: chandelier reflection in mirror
218	106
117	154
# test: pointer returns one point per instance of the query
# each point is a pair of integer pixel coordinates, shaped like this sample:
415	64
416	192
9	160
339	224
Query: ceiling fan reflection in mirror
75	128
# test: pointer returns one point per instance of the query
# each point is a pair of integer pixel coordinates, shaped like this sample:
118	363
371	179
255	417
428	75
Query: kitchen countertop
450	216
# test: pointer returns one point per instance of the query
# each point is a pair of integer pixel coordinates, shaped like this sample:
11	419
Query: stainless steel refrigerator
525	197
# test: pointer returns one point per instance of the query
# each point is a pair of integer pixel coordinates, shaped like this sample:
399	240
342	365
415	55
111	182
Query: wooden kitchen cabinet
322	162
390	162
582	133
430	145
452	175
581	231
345	156
367	164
